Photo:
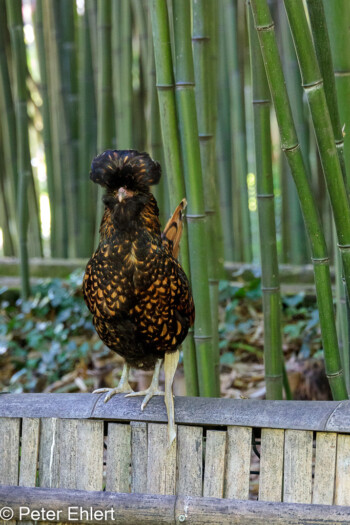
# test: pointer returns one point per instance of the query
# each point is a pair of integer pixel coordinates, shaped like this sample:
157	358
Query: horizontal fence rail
142	509
328	416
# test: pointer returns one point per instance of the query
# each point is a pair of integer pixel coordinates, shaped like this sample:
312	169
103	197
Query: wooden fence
234	461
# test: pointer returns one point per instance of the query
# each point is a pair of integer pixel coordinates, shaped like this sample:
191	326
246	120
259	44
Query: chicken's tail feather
173	229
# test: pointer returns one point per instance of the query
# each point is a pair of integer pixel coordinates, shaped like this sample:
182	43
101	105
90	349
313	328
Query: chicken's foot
122	388
153	389
170	364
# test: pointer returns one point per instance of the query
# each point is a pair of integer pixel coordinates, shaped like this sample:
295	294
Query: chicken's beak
122	194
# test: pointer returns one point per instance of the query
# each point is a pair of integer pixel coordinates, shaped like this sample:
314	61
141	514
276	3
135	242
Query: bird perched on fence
134	286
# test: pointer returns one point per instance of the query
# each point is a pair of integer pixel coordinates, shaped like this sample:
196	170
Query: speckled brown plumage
133	285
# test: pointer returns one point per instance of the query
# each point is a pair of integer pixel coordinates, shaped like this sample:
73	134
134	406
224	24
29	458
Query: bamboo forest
245	106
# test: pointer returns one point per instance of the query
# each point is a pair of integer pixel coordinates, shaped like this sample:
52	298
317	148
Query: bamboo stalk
105	100
172	153
91	11
203	73
294	245
224	144
314	88
104	91
69	69
49	9
241	217
140	92
88	136
324	57
46	116
62	68
5	212
207	360
213	71
122	62
270	284
338	20
289	142
154	133
8	136
15	24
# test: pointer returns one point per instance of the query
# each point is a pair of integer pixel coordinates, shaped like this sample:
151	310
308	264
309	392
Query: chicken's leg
153	389
170	364
122	388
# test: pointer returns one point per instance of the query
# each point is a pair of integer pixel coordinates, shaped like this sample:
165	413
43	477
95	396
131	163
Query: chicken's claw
153	389
149	393
125	389
122	388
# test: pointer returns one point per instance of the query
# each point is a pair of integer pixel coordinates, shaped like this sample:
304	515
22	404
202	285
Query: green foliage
46	336
51	334
241	322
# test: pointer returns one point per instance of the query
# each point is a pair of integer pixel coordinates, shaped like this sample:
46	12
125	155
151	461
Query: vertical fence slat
9	450
298	466
139	447
49	453
239	441
9	453
90	455
324	482
161	461
342	475
29	452
189	460
214	467
118	457
68	437
271	464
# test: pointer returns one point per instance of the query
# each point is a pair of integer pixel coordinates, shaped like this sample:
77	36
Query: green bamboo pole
213	31
69	70
46	116
314	88
273	356
294	240
143	29
203	74
154	133
91	11
139	86
337	15
223	153
105	129
338	21
229	65
207	360
8	136
122	67
324	57
241	215
88	137
15	23
60	226
172	153
289	142
64	67
5	213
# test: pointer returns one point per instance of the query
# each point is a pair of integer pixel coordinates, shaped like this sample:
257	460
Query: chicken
134	286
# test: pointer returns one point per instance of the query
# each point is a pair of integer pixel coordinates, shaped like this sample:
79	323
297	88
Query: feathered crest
116	168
